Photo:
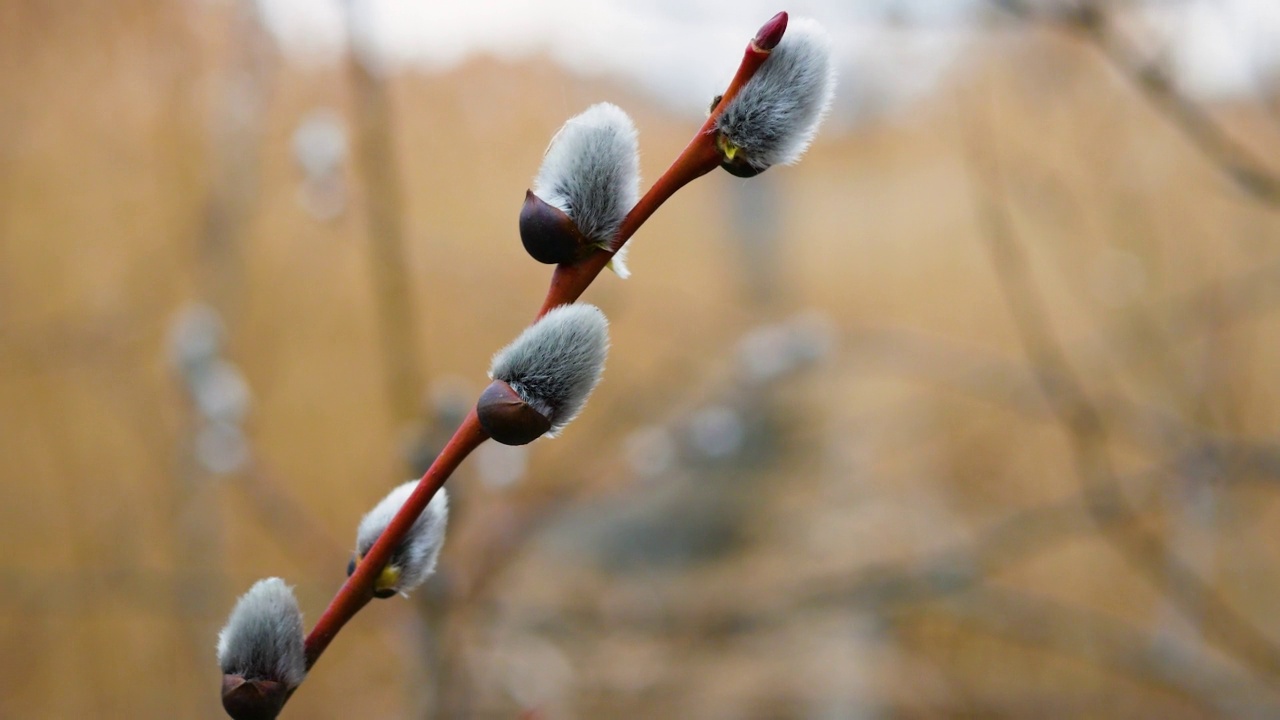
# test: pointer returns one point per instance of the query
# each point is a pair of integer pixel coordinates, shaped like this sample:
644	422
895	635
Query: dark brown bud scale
549	235
507	418
741	168
733	160
256	699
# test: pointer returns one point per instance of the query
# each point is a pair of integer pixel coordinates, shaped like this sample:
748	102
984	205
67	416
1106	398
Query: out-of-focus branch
1013	386
944	573
955	580
237	129
403	366
1091	22
1016	538
284	517
384	221
1088	437
384	213
1111	644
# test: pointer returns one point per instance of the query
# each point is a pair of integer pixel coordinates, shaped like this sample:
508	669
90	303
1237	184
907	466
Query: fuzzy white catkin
263	637
556	362
774	117
417	554
591	172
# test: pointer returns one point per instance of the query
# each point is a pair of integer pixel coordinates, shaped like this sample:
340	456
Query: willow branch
568	283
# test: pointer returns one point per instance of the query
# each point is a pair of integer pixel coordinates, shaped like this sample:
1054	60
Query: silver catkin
591	172
774	117
263	637
556	362
416	556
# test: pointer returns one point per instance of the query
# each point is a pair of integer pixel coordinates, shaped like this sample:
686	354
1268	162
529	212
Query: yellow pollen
727	148
387	579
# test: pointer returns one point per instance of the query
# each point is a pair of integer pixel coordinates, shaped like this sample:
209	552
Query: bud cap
549	235
507	418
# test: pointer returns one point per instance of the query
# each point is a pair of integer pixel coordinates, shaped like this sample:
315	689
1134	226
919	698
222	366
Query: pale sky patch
683	51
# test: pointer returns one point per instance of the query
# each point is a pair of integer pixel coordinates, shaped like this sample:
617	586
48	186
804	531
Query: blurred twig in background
1107	643
1091	20
1087	433
214	444
237	131
379	169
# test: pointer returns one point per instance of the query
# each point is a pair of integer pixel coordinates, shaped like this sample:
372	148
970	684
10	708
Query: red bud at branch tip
770	33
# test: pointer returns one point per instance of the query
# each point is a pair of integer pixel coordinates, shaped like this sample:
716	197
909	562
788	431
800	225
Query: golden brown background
971	414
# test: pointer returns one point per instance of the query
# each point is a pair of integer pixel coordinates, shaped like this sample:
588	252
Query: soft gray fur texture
416	556
556	362
591	172
776	114
263	638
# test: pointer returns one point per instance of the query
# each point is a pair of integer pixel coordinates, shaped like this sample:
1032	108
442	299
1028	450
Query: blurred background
974	412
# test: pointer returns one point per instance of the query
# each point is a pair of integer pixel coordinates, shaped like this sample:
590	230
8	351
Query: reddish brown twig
357	591
568	283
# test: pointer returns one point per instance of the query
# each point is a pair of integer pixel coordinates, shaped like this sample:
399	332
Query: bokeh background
972	413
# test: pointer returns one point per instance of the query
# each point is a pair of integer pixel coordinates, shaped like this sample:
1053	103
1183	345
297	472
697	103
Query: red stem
699	157
357	591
